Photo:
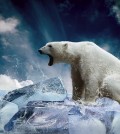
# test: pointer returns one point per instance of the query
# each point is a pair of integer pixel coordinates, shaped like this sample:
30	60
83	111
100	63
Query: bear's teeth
51	60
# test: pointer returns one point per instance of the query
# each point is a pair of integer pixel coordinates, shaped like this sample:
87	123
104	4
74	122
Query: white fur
93	70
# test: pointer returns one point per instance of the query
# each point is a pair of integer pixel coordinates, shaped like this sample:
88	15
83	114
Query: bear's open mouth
51	60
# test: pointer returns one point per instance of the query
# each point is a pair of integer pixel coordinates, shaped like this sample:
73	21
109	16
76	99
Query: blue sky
27	25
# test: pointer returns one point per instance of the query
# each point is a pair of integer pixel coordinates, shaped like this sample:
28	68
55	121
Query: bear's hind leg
111	87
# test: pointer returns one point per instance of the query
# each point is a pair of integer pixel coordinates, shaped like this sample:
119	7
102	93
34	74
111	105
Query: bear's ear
65	45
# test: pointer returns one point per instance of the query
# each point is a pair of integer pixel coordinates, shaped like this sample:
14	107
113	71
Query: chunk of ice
7	110
48	90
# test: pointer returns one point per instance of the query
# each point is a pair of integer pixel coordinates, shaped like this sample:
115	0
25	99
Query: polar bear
94	72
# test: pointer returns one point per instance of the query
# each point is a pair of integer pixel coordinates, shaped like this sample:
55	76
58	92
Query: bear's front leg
77	83
91	90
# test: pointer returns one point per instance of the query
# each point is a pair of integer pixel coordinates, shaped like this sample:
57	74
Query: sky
27	25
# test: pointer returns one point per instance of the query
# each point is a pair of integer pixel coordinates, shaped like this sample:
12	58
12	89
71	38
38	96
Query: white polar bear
94	71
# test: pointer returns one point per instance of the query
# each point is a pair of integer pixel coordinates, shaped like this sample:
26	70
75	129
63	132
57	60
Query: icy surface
48	90
2	93
115	128
83	125
66	117
45	118
7	110
44	108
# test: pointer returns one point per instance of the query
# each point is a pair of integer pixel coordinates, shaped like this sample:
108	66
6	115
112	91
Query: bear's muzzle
51	60
40	51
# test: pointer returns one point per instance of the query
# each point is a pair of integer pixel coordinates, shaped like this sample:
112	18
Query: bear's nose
40	51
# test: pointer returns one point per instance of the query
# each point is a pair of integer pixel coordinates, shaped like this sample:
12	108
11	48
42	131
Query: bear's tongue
51	60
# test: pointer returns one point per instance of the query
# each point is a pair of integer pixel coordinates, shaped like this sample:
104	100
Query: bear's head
57	52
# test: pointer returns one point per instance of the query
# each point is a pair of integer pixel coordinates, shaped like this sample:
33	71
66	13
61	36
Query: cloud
5	57
8	25
26	83
116	10
7	83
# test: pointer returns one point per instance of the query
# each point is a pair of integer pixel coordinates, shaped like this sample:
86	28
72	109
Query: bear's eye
49	45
